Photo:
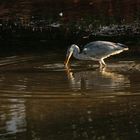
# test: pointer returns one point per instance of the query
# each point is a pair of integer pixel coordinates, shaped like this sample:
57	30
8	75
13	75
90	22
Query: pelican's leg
102	63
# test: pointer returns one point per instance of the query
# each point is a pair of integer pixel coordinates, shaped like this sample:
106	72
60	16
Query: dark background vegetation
39	25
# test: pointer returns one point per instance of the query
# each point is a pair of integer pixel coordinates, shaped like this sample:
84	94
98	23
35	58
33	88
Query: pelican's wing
100	49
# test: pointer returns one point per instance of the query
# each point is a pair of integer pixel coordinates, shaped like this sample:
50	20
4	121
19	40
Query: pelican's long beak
67	59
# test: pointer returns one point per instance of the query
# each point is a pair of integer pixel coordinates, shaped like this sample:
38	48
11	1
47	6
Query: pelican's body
96	51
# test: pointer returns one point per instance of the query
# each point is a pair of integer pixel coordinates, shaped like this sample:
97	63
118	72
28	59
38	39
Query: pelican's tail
124	47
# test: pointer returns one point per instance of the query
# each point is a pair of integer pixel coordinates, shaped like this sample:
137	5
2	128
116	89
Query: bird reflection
104	80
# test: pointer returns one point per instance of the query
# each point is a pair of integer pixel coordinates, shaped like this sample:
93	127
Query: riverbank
45	25
17	37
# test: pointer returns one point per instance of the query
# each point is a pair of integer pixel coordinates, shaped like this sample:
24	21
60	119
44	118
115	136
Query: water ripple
38	76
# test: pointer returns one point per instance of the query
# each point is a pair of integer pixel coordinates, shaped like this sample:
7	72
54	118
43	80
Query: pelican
95	51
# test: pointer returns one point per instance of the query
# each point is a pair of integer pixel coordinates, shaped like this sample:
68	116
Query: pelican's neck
80	56
76	52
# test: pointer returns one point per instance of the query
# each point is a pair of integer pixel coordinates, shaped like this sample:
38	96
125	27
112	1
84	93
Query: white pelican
96	51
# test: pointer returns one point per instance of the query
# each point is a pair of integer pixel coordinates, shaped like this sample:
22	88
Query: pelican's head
73	49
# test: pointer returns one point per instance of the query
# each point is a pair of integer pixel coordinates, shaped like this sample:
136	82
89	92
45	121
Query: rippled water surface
40	99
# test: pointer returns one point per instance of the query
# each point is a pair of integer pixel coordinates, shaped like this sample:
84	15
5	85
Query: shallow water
41	99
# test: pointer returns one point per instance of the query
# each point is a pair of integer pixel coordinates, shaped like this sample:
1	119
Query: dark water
42	100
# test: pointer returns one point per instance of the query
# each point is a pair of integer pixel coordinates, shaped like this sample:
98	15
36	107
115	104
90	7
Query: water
40	99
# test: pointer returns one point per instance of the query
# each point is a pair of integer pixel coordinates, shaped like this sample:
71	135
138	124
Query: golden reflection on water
99	80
